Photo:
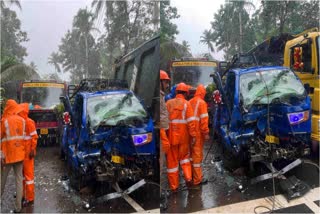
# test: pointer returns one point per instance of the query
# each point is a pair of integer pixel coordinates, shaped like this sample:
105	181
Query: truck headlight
298	117
141	139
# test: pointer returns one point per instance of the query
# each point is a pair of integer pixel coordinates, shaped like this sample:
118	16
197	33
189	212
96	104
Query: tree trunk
87	60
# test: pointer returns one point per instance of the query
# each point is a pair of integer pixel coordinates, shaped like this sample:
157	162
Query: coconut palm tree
6	3
84	25
186	45
206	39
54	60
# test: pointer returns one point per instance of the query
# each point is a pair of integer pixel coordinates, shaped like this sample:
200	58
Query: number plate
117	159
43	131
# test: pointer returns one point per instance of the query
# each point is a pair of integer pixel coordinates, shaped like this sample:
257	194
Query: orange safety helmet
164	75
182	87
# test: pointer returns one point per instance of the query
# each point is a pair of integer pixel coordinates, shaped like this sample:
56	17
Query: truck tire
77	181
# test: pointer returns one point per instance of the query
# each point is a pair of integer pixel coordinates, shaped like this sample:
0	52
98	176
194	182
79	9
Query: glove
31	154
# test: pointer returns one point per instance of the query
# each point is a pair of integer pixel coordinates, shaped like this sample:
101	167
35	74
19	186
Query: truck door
232	100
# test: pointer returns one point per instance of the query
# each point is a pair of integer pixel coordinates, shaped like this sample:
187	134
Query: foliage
128	24
59	110
170	50
206	39
168	29
54	60
11	35
226	29
78	52
234	31
186	45
7	3
274	18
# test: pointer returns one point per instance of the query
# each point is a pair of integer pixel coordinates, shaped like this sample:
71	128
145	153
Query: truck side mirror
307	87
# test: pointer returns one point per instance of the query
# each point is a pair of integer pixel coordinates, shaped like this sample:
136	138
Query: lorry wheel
62	154
77	181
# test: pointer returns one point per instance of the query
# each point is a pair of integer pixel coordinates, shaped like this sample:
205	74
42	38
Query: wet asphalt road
54	195
222	188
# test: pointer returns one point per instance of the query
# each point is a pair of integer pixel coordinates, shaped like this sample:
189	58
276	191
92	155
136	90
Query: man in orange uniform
164	120
28	163
12	148
182	124
201	113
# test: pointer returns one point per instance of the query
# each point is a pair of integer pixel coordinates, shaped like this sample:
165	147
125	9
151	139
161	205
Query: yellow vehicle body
308	72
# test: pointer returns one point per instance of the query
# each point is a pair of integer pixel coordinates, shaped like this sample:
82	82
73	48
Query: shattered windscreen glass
112	109
281	84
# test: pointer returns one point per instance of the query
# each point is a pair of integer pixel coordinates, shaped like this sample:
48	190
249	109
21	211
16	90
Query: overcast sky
46	22
195	17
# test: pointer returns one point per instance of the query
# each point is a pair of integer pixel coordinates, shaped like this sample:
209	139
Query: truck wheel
62	154
77	181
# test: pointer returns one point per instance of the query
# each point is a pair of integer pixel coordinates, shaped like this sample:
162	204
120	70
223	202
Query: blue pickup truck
264	114
108	134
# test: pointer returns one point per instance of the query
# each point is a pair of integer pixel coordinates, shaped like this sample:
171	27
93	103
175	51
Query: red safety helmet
164	75
182	87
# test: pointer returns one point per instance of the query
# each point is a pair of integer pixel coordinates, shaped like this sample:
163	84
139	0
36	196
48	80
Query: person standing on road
164	120
28	163
12	148
202	120
181	126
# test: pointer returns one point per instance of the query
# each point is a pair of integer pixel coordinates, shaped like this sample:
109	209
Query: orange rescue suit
181	125
12	133
201	113
28	163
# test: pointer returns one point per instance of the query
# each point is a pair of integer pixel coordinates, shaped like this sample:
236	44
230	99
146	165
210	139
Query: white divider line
281	202
151	211
130	201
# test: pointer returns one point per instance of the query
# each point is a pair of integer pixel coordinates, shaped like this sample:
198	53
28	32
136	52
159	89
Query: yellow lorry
301	53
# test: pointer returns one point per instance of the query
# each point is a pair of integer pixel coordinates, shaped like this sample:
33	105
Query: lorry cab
110	136
260	102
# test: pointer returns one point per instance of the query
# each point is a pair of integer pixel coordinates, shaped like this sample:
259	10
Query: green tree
226	29
128	24
55	60
33	66
206	39
7	3
168	29
78	52
83	25
186	45
12	36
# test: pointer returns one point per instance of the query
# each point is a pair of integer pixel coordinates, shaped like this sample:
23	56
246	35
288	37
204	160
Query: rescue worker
202	121
28	163
181	125
164	121
12	148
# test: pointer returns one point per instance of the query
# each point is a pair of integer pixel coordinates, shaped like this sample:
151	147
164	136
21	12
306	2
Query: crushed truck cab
264	115
110	136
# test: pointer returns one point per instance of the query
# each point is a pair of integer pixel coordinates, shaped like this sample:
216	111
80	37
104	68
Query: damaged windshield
277	84
112	109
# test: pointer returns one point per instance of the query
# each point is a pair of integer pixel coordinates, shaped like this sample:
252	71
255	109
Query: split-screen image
160	106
